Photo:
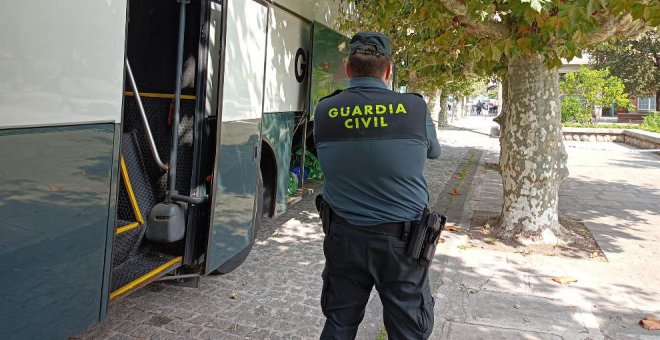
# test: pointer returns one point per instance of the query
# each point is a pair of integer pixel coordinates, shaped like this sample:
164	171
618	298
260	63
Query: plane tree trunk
442	111
532	154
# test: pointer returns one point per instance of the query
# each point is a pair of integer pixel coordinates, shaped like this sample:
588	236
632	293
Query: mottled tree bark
532	154
466	109
505	105
442	110
457	108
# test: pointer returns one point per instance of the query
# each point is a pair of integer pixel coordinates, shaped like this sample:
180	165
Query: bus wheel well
268	167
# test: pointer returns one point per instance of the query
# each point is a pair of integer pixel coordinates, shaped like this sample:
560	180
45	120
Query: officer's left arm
433	151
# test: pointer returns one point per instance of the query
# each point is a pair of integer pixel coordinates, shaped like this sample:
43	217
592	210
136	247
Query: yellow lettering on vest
368	110
333	113
375	121
366	122
348	123
357	111
380	109
391	109
401	109
382	122
345	113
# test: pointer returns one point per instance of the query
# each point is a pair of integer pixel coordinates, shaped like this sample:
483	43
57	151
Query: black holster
324	212
424	237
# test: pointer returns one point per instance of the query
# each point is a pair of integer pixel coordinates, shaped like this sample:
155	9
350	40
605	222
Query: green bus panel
329	53
55	213
232	225
278	132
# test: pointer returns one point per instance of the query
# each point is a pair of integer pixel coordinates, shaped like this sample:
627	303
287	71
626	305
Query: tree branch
487	29
455	7
623	25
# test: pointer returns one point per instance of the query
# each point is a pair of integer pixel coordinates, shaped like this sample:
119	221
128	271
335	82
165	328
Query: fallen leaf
650	323
466	246
564	279
54	188
454	229
232	295
454	192
523	251
441	240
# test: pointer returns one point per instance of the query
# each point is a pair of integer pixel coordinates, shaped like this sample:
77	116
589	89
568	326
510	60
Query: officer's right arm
433	150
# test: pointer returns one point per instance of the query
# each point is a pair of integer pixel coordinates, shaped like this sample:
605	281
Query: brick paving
479	294
273	295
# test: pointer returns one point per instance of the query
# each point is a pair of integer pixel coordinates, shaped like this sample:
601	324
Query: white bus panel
288	51
65	65
244	55
323	11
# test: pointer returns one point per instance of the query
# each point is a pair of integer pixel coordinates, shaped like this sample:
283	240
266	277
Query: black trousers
356	261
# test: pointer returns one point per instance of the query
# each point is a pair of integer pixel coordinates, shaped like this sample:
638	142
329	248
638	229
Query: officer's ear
388	72
347	70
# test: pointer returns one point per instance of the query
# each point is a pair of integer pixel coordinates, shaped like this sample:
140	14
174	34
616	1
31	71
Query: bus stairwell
134	261
147	142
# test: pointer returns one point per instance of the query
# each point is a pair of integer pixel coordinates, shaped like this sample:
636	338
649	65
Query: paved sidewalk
616	192
476	123
479	294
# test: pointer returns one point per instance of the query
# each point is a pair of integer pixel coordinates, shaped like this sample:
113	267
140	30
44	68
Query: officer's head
369	56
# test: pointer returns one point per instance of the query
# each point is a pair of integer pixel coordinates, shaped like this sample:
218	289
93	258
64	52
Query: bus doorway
159	101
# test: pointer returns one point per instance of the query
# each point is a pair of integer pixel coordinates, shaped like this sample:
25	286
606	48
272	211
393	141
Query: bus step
135	200
140	270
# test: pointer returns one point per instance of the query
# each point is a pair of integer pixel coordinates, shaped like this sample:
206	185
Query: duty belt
397	229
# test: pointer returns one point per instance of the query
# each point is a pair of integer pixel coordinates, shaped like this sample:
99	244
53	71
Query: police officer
373	144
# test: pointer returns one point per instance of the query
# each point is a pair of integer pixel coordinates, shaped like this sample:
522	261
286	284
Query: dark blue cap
370	43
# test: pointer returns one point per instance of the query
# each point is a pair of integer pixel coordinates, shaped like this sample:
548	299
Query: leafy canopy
635	61
442	39
597	87
586	89
573	110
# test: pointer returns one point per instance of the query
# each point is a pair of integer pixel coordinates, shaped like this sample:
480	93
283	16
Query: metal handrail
145	121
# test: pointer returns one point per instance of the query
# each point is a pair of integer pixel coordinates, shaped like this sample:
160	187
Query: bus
143	140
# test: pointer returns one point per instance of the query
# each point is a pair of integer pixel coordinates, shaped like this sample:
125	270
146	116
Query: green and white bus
143	140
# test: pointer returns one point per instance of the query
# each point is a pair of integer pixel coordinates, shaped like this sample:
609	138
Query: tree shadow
498	293
613	210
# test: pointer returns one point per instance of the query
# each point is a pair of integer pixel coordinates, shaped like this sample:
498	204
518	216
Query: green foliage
600	126
595	87
446	40
573	110
635	61
652	122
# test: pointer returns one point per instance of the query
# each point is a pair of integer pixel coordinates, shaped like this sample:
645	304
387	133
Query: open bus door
234	206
